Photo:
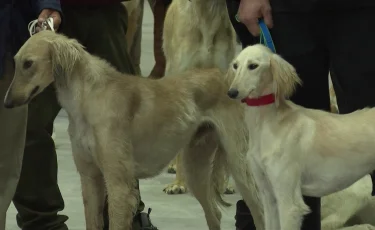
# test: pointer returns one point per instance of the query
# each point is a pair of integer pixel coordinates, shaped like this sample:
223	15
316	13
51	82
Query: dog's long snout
233	93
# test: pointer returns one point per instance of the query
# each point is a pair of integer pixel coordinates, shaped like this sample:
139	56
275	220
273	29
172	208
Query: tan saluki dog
124	128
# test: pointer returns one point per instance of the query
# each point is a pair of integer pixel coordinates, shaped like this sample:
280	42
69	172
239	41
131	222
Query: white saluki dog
294	151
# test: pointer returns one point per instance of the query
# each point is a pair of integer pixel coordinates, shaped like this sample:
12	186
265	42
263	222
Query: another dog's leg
178	185
228	189
286	187
93	191
343	213
197	165
172	166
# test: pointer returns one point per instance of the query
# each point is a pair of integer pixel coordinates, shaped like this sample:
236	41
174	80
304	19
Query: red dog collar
263	100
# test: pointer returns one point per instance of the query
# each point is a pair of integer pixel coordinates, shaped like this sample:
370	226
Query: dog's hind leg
172	169
178	185
93	190
197	163
228	189
234	139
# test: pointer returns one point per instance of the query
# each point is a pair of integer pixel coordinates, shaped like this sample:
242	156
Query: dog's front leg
93	190
271	216
286	186
118	172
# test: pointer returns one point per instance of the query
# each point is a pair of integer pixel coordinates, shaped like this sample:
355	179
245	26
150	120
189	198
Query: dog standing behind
294	151
197	34
134	10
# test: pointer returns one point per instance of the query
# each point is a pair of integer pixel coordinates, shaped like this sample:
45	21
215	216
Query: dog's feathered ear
285	78
65	53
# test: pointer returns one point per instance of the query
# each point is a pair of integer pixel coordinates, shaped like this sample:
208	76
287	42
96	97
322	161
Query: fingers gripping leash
46	25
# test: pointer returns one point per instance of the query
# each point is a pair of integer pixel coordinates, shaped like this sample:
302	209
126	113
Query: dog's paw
175	188
172	169
229	190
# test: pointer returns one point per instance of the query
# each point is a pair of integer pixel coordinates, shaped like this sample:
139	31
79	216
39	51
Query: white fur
294	151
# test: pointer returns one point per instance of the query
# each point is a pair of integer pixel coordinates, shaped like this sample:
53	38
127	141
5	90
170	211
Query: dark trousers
38	199
341	42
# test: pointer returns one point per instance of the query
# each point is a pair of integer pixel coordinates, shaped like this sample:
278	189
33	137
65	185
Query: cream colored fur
349	207
124	128
197	34
294	151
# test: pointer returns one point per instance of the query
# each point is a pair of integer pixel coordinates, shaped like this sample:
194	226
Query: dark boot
142	221
159	9
244	220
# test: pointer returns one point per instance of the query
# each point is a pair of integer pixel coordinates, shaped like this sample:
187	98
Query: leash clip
46	25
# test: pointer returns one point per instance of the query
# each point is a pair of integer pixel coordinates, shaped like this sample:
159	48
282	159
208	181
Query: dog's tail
204	166
220	176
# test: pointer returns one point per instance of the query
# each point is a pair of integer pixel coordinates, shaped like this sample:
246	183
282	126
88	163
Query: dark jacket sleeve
47	4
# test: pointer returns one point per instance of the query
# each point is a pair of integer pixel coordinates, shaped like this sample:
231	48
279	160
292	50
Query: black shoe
142	221
244	220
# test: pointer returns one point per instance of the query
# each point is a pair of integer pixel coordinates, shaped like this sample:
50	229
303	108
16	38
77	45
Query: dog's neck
89	71
261	109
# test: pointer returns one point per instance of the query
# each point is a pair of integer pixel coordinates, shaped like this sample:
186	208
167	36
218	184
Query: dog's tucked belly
326	175
151	157
151	162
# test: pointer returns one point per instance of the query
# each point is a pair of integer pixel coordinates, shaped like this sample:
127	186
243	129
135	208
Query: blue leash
265	36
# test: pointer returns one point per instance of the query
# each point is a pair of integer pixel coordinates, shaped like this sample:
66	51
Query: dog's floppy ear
65	53
284	76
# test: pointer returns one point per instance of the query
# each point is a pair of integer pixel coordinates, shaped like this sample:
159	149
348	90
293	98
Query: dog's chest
81	136
213	25
80	132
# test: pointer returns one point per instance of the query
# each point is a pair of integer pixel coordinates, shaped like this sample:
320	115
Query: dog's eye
253	66
235	66
27	64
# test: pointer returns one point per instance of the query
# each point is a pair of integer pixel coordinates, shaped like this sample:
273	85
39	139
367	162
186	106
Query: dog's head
44	57
257	71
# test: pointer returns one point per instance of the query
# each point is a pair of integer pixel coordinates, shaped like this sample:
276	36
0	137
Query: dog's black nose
232	93
8	104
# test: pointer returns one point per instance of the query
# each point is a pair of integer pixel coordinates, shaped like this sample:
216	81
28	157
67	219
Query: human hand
250	11
49	13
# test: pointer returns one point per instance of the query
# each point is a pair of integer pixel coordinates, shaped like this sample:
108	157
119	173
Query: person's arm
48	8
40	5
250	11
